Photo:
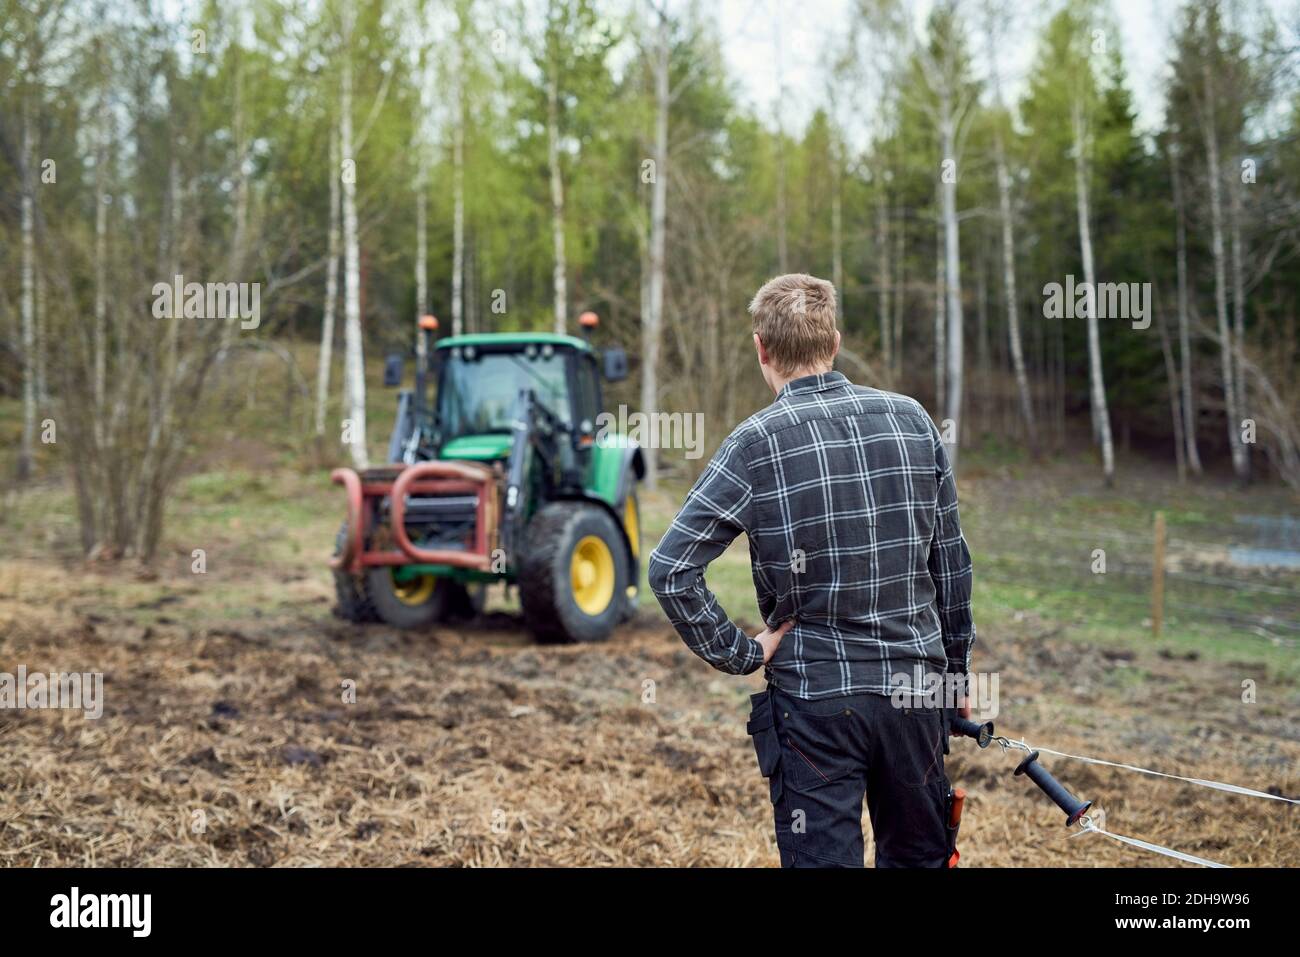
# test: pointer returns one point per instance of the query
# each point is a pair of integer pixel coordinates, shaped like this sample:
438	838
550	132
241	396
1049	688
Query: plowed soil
227	740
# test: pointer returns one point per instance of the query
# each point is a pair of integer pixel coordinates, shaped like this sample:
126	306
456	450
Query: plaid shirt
850	507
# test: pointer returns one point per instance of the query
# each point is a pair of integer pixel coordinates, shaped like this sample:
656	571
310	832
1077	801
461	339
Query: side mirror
615	360
393	370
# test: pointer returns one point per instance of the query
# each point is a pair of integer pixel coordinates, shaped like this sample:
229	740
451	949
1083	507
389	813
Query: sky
749	29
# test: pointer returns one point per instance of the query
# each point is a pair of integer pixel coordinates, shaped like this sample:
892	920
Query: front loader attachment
455	501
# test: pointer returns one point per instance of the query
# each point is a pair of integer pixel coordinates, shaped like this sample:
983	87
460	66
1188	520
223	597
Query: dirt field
226	739
474	747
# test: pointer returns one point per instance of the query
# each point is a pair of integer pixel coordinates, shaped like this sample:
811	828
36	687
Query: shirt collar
812	383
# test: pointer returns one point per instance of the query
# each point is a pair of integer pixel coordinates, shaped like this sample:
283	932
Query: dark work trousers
820	757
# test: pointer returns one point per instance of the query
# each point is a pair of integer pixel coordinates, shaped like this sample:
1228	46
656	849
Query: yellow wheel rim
632	526
591	574
415	591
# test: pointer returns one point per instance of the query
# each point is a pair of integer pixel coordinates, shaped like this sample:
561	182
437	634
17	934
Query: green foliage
268	78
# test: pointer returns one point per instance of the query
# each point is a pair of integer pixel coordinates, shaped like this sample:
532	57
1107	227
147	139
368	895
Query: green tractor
504	476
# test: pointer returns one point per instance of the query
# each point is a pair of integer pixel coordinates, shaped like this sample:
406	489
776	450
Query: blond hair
794	316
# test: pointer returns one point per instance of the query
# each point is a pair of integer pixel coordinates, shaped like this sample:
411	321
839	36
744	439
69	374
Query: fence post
1158	578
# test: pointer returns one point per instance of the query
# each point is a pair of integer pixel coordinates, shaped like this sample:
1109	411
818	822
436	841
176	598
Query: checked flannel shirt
850	507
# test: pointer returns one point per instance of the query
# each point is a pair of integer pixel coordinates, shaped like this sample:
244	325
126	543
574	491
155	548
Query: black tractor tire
393	610
546	592
352	601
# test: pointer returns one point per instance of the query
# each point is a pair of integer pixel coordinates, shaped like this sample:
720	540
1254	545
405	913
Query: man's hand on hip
770	639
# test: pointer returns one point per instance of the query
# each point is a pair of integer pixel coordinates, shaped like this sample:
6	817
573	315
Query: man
863	579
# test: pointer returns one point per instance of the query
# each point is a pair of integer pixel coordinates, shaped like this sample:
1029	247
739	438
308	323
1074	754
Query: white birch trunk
940	322
1009	289
354	359
952	288
1100	412
458	203
782	245
882	274
560	281
1239	464
325	359
1238	310
652	327
1184	325
27	304
898	285
837	225
101	281
421	243
42	342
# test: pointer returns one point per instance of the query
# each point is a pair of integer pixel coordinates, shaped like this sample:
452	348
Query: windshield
477	393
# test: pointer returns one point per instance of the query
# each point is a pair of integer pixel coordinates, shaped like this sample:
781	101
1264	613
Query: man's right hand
770	639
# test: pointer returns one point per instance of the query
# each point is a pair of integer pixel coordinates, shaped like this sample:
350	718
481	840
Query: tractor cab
480	380
499	472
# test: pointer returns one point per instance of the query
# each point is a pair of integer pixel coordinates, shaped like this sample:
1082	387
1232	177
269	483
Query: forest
510	164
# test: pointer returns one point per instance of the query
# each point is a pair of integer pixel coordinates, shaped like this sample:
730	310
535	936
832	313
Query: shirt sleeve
714	513
950	568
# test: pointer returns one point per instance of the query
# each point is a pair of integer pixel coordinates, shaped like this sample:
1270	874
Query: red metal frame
425	478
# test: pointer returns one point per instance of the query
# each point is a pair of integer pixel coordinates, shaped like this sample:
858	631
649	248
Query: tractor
502	476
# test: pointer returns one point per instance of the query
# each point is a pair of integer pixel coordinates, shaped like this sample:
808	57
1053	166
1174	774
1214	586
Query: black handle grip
1067	802
982	733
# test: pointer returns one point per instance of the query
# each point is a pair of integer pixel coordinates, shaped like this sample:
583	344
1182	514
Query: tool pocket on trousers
816	749
921	760
762	730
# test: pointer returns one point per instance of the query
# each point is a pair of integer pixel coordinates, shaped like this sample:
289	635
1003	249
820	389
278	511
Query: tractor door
586	407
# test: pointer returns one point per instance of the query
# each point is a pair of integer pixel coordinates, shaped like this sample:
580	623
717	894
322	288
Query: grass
256	499
1093	609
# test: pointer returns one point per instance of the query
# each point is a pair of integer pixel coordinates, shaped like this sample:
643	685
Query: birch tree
652	324
1215	84
27	295
1096	378
996	22
1059	108
945	93
354	369
1188	401
945	67
458	171
1214	175
420	144
778	114
324	361
559	274
102	199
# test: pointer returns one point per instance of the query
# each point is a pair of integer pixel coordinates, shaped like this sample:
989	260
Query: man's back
862	576
851	512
